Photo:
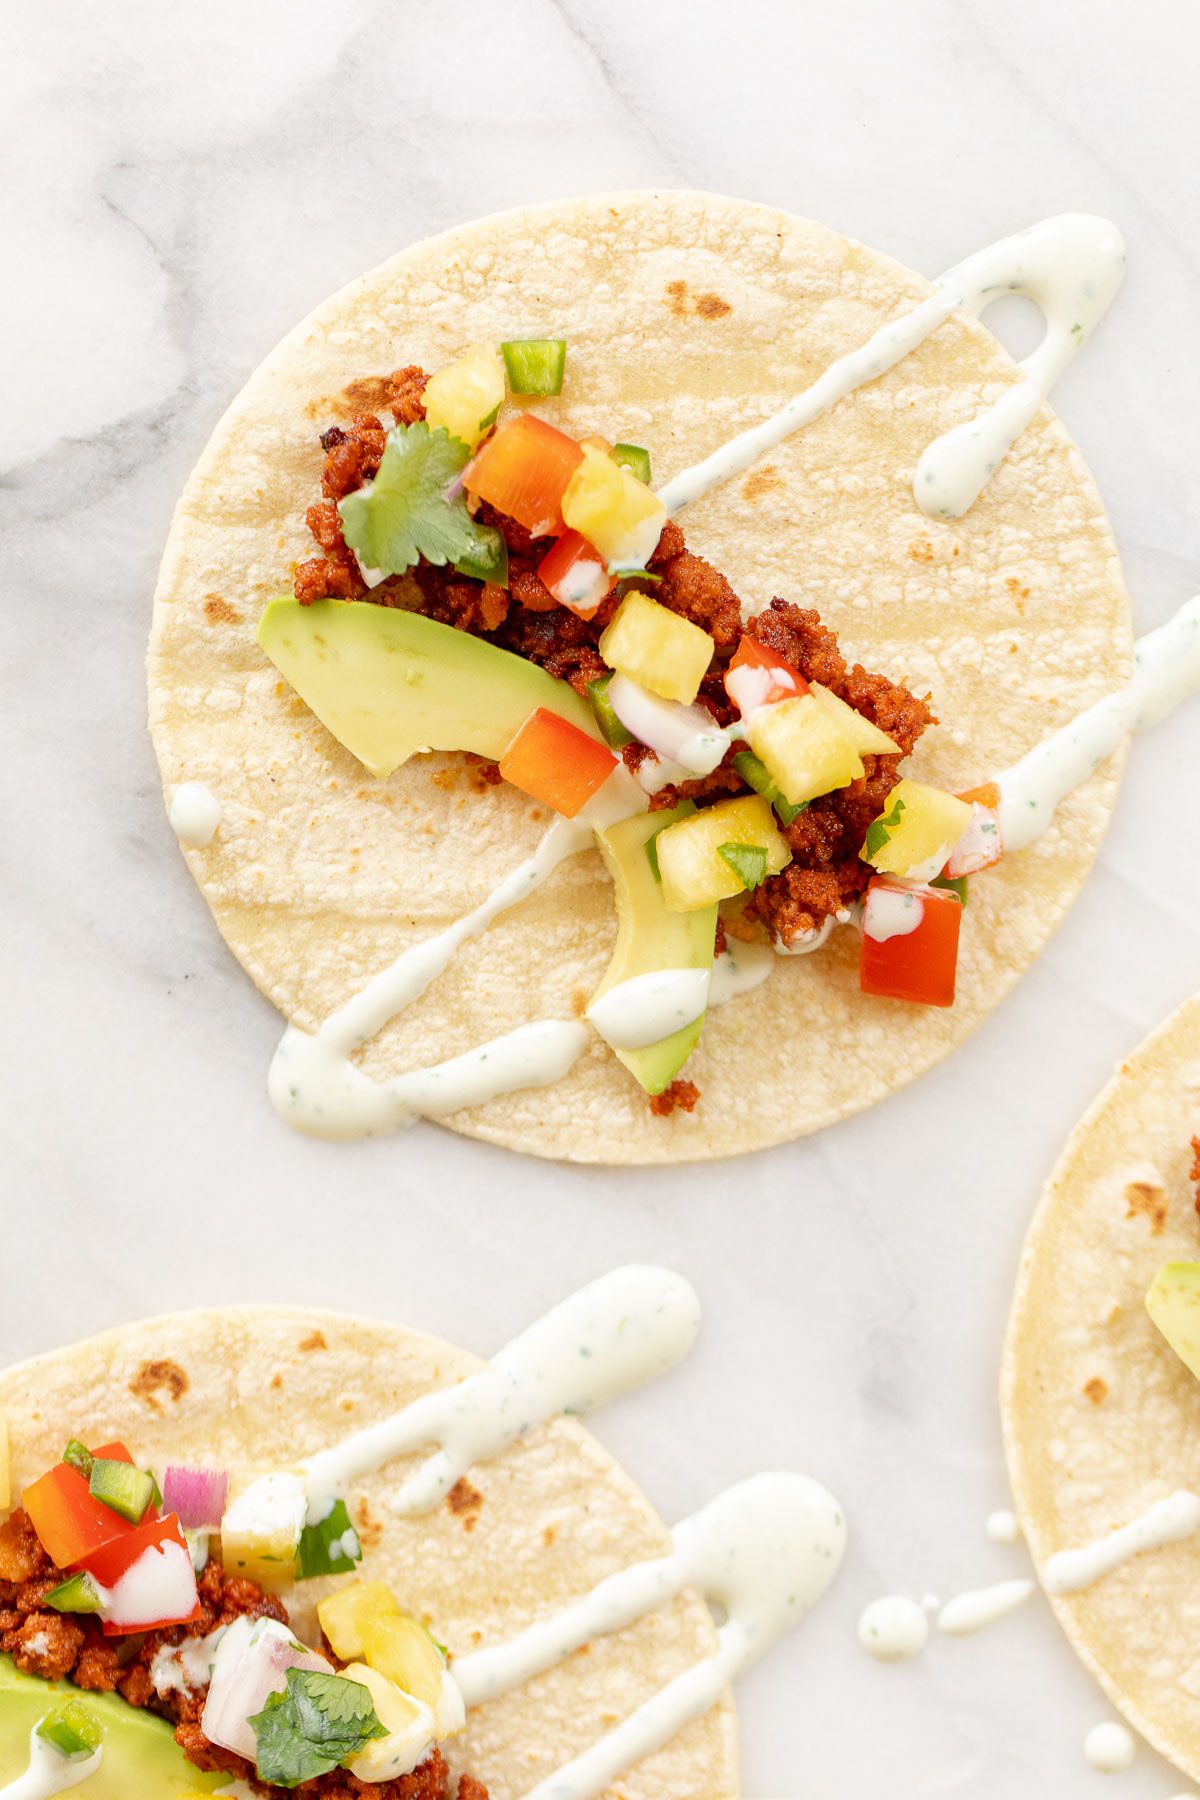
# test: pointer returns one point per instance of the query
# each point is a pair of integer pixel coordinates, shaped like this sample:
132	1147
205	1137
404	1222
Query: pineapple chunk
613	510
867	739
408	1723
260	1532
344	1613
657	649
916	831
807	747
5	1465
466	395
400	1647
694	873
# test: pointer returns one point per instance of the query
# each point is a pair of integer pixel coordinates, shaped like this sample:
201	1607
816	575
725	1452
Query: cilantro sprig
405	513
879	831
317	1723
748	862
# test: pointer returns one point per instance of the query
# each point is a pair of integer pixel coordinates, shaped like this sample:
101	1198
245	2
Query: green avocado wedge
649	937
388	683
1174	1305
140	1761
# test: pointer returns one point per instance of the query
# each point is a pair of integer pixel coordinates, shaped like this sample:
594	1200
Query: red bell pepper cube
576	574
523	470
775	679
556	762
70	1523
901	960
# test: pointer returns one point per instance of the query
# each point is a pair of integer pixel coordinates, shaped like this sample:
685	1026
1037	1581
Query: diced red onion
197	1495
251	1662
688	735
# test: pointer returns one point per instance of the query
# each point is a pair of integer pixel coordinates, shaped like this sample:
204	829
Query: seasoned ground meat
355	458
62	1646
430	1780
681	1094
406	394
65	1646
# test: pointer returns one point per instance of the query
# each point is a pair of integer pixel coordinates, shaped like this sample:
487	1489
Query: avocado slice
1174	1305
387	683
140	1756
651	938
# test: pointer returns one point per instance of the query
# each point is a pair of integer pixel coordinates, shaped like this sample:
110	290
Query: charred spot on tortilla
370	1528
702	306
465	1502
1146	1200
157	1377
365	394
219	612
314	1341
1096	1390
761	481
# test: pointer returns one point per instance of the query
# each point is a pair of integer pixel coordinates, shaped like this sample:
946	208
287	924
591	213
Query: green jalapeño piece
125	1490
615	734
73	1729
487	560
535	365
633	458
754	773
79	1457
78	1594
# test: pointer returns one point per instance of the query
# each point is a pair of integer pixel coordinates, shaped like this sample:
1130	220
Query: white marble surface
182	183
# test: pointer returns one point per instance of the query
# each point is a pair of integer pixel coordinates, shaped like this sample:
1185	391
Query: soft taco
1101	1388
257	1550
427	632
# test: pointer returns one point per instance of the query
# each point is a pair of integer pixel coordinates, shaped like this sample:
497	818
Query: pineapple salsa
489	584
132	1649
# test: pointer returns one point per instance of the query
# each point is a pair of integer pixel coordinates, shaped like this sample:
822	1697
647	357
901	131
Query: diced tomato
116	1559
556	762
70	1524
772	677
109	1563
575	573
919	964
523	471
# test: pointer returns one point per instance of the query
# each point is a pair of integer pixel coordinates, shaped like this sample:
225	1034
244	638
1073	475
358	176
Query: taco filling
742	776
112	1601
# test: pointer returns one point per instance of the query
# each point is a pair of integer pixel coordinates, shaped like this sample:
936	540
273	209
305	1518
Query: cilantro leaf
879	831
404	513
748	862
317	1723
330	1547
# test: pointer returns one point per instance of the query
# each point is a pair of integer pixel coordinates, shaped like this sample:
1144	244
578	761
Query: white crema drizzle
1168	1521
1166	672
315	1086
614	1335
1071	265
765	1551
